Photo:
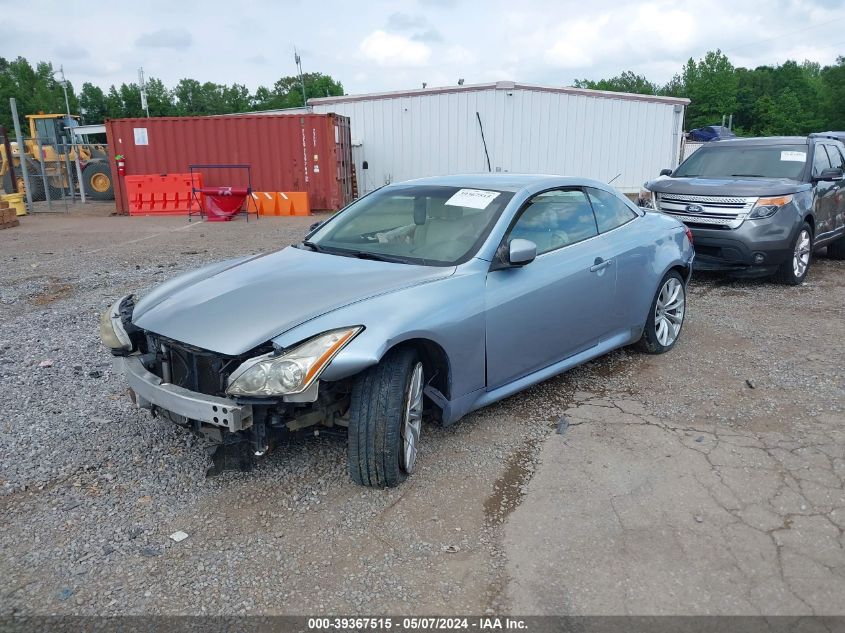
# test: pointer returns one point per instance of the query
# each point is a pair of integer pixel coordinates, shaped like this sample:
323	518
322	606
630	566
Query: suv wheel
666	318
385	420
794	270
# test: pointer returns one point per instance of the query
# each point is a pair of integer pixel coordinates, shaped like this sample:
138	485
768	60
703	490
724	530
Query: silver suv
759	206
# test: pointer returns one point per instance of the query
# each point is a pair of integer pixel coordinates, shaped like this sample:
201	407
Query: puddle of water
508	489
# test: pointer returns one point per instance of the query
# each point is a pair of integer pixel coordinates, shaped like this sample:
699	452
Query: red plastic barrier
162	194
223	203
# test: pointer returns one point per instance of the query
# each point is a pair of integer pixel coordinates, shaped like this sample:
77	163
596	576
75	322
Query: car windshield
760	161
421	224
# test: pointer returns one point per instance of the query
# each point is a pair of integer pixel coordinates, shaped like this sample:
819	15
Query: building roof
499	85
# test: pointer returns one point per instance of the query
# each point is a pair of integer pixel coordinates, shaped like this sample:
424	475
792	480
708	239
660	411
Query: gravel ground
91	488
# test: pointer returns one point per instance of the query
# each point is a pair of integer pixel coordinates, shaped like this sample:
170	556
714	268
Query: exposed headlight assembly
646	199
112	333
767	207
291	372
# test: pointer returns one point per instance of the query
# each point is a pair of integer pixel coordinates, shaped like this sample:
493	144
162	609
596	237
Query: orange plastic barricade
298	202
161	194
282	202
266	202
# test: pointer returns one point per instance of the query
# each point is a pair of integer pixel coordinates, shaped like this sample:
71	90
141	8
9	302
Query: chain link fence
56	173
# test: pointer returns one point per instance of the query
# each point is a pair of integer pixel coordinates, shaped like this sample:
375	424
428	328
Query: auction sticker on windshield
472	198
798	157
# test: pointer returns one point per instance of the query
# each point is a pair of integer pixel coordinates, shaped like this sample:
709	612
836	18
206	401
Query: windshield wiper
377	257
748	175
314	247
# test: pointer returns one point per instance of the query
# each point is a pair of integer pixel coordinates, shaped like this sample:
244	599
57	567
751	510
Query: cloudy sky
375	45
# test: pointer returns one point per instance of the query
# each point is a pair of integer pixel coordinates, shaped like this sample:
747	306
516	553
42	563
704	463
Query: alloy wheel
669	311
801	255
412	422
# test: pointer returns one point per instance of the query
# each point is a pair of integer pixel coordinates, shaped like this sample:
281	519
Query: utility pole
143	87
63	84
298	61
13	106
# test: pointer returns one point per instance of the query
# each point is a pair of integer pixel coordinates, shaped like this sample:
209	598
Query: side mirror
665	172
521	252
831	173
314	227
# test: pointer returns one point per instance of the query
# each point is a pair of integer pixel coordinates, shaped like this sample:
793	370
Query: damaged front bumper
151	392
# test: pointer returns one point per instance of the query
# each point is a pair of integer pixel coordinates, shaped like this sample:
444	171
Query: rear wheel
794	270
97	180
385	420
666	318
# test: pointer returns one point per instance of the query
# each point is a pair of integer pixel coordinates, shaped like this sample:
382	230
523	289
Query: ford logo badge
694	208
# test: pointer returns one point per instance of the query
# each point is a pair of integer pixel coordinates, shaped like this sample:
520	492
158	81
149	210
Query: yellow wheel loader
57	152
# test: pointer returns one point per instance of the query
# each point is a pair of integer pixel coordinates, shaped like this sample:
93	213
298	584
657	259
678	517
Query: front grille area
200	372
717	211
192	368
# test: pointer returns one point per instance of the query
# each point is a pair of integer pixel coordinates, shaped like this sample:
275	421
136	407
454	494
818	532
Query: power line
777	37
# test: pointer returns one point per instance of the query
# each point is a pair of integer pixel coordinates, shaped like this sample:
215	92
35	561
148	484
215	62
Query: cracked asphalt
705	481
710	482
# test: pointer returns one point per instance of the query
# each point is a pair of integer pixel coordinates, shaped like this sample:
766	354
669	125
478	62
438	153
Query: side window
820	160
610	211
555	219
834	155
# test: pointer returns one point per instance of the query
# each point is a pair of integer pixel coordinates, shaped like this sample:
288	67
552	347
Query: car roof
760	140
839	136
504	181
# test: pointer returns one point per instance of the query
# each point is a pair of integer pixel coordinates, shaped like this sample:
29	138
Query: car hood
233	307
746	187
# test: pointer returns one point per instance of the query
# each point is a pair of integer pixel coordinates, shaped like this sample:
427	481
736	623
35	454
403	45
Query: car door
825	194
625	241
559	304
837	161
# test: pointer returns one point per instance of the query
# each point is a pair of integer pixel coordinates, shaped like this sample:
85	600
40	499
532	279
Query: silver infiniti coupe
422	300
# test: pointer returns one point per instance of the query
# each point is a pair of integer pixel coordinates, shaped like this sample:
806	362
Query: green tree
778	116
92	103
711	85
114	104
287	91
626	82
832	79
130	99
159	98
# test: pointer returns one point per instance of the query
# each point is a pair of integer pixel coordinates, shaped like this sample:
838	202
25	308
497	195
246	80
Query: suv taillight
689	235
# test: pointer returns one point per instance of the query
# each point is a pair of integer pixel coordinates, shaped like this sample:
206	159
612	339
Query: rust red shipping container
291	152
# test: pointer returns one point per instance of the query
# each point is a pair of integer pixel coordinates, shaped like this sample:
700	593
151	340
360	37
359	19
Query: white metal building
609	136
530	129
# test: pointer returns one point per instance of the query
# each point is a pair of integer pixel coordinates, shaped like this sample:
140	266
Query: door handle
600	264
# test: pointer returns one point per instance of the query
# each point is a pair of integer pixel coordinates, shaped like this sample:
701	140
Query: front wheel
794	270
385	420
97	180
666	318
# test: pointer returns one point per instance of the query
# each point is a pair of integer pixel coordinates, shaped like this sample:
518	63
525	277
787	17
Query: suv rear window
758	161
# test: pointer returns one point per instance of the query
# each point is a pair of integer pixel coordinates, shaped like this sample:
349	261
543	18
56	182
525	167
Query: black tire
7	181
94	174
36	182
786	273
376	415
836	250
650	341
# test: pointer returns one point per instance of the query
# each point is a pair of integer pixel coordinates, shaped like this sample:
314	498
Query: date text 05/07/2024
416	624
